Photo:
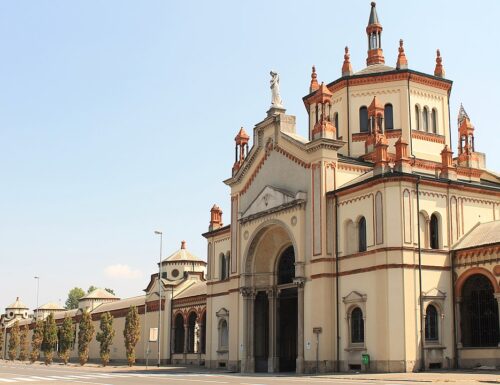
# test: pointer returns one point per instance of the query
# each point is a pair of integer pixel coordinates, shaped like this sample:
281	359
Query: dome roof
182	255
17	305
99	294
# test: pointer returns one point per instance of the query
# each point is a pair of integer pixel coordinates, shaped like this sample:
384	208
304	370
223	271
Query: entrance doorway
261	319
287	330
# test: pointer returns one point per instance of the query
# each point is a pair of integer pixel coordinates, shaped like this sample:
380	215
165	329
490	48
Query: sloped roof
50	306
199	288
375	68
480	235
99	294
121	304
182	255
17	305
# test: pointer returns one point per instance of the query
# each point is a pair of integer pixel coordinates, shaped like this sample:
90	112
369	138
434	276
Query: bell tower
467	155
374	32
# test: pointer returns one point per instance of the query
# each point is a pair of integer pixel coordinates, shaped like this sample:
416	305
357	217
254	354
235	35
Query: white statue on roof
275	90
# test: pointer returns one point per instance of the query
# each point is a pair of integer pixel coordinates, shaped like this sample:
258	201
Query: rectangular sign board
153	334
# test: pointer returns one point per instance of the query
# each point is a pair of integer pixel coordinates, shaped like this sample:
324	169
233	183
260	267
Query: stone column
300	324
186	338
497	296
251	331
246	293
272	361
458	301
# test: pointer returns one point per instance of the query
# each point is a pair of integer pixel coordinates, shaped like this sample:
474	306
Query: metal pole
159	299
37	292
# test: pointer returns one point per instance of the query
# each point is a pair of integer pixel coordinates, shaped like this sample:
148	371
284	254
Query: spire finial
402	62
183	245
439	70
314	80
374	32
347	67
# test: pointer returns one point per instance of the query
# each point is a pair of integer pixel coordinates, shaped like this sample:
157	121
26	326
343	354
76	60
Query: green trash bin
365	359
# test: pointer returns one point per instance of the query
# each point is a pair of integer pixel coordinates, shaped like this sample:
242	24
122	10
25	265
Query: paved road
60	375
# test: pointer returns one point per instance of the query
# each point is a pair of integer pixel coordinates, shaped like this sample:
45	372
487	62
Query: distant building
183	291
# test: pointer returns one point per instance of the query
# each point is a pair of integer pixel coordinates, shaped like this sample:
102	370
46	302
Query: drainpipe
455	347
337	280
422	351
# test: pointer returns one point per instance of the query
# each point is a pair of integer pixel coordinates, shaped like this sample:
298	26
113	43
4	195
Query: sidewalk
452	376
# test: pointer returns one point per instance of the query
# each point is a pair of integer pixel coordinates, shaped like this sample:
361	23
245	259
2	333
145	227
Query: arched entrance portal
271	304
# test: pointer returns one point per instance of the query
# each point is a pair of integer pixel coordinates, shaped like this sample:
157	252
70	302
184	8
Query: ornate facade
350	242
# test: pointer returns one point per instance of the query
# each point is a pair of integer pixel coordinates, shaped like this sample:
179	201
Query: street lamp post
159	299
37	292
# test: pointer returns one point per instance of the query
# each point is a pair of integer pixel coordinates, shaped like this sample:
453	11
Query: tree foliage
131	332
66	339
92	288
49	343
105	336
36	340
73	296
24	344
85	335
14	341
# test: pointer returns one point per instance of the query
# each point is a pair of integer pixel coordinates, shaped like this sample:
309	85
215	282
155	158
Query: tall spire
347	67
439	70
402	62
314	80
374	32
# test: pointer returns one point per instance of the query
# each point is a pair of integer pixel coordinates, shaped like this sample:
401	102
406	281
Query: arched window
431	324
357	326
179	334
228	263
434	121
286	266
417	118
191	332
336	121
434	232
362	234
479	313
388	117
425	119
363	119
223	266
223	335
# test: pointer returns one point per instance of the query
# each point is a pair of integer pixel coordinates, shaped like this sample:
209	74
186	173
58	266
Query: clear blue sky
118	117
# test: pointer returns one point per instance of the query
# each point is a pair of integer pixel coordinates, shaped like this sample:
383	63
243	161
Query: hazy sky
118	117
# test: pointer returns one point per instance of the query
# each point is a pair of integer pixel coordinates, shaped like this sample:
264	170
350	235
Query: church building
367	244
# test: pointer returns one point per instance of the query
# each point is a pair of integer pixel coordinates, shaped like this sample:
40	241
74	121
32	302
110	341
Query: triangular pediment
354	296
434	293
269	198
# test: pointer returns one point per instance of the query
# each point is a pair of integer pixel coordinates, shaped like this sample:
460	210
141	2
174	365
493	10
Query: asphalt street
17	373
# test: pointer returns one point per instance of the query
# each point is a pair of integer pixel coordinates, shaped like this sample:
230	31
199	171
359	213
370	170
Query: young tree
73	296
105	336
66	338
24	344
14	341
85	335
49	343
36	340
131	333
1	342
